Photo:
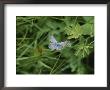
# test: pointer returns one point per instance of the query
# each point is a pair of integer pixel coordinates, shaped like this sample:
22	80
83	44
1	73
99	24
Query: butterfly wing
53	43
58	46
52	46
53	40
65	44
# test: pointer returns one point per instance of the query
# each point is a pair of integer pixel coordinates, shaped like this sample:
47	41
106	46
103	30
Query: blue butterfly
54	45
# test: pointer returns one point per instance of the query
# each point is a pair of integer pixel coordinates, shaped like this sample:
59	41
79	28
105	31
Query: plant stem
55	64
61	64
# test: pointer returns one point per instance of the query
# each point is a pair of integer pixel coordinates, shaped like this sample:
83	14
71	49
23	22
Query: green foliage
83	48
73	31
33	56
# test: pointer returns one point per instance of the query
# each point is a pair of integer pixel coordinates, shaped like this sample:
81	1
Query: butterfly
54	45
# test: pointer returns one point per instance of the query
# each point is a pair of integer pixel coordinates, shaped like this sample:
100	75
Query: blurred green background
33	56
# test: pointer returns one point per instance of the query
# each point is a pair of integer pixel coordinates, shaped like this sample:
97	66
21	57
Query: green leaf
87	29
83	49
24	58
73	62
43	64
89	19
81	69
73	31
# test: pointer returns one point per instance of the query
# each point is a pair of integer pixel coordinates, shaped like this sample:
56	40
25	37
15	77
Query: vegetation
33	55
